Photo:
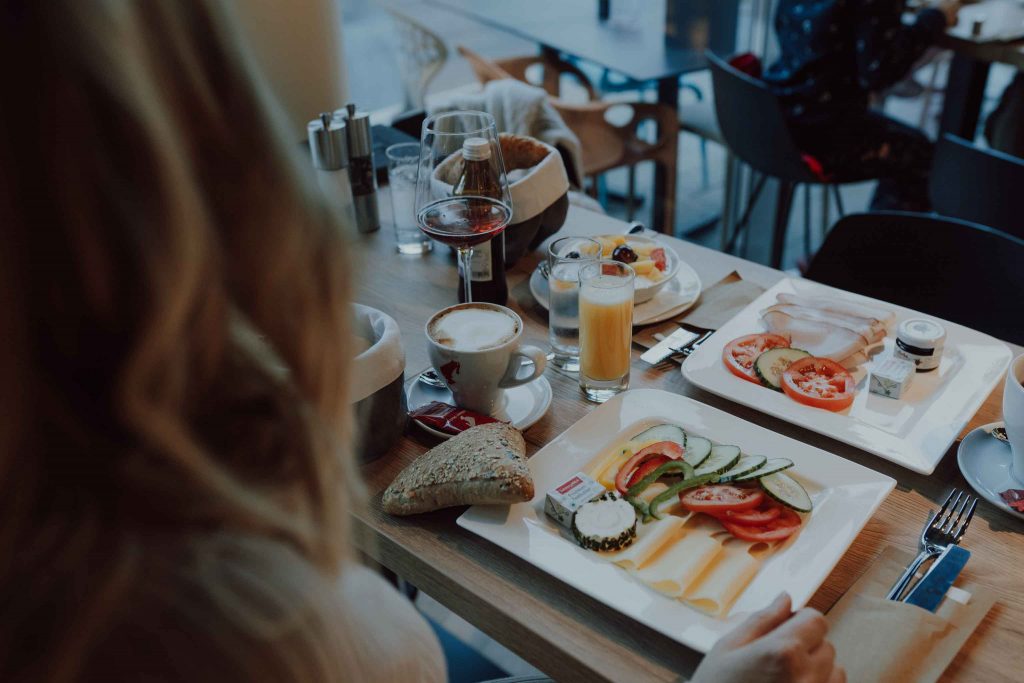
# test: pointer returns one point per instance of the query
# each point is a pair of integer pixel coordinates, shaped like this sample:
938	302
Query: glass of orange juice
606	328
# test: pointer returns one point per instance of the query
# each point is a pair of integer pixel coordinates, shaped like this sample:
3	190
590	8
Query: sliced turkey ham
872	330
841	306
820	339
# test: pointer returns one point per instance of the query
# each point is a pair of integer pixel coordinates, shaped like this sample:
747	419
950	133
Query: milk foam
473	329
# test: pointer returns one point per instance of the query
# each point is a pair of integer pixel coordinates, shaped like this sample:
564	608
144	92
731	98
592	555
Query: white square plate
845	496
914	431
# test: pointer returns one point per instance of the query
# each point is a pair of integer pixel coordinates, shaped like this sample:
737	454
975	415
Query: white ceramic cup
477	377
1013	415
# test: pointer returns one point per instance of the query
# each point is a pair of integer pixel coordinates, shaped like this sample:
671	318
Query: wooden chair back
421	55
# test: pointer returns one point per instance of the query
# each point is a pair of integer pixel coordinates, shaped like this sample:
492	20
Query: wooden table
567	634
639	51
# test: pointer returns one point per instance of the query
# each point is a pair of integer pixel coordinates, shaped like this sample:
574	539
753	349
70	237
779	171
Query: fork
946	527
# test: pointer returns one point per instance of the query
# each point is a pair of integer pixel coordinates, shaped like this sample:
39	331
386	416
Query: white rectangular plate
845	496
914	431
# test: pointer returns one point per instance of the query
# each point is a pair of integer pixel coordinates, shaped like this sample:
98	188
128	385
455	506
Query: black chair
978	185
964	272
754	128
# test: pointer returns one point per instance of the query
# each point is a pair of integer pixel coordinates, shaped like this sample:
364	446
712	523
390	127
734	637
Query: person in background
833	55
176	475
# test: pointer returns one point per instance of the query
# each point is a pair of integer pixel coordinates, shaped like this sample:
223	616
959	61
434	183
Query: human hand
774	645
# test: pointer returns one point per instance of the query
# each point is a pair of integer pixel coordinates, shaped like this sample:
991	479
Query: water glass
565	258
606	328
403	160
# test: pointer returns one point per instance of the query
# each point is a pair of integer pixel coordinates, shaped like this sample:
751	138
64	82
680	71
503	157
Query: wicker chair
421	55
604	145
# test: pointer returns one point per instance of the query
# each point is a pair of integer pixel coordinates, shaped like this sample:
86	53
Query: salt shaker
364	181
328	144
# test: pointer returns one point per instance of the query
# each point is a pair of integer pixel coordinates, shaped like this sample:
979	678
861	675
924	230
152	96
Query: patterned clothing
834	53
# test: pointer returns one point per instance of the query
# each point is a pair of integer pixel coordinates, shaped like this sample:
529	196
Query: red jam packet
1014	498
448	419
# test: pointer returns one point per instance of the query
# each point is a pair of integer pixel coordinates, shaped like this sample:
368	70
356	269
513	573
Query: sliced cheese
725	578
607	466
649	539
677	564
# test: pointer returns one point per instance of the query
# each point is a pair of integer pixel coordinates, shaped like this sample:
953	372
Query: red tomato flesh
778	529
718	498
739	354
755	517
646	468
819	382
668	449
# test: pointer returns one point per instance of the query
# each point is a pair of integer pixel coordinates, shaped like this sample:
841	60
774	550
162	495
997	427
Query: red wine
464	221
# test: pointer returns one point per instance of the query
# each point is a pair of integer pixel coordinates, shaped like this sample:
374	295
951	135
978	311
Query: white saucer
523	405
985	463
686	283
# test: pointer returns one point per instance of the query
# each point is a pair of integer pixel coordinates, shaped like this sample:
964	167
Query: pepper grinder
364	181
328	144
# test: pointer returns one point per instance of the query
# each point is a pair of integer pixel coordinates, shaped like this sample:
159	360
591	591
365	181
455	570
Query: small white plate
685	284
845	496
985	463
522	405
914	431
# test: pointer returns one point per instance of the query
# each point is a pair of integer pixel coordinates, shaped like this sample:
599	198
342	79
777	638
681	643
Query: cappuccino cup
475	348
1013	415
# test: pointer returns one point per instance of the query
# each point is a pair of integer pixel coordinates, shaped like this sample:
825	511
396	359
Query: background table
639	51
567	634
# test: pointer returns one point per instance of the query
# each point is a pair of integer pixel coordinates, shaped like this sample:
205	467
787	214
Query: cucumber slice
722	458
745	465
661	433
697	450
770	365
771	466
787	491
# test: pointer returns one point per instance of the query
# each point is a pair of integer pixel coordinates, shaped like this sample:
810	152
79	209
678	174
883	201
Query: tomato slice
645	469
658	256
739	354
780	528
755	517
819	382
720	498
668	449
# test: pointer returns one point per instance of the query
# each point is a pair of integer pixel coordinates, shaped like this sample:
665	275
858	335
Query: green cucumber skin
724	468
680	465
674	490
767	383
756	474
727	477
782	499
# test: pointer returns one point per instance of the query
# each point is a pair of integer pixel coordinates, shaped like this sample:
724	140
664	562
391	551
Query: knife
668	346
930	590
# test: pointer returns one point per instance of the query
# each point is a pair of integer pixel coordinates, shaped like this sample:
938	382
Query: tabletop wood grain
567	634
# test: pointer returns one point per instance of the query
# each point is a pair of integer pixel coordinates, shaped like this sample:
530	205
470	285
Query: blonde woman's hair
173	307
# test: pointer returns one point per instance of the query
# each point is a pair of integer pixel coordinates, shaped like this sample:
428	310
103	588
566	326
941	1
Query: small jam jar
920	341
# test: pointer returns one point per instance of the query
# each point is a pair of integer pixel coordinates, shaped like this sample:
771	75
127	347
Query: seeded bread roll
483	465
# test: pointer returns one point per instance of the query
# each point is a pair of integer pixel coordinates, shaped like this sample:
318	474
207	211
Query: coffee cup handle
526	354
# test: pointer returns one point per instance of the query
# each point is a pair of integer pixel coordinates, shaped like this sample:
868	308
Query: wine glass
450	210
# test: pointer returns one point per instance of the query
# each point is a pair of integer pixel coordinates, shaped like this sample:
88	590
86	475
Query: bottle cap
476	149
327	143
921	332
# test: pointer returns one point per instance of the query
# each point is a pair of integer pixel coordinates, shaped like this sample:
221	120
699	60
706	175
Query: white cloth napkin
384	360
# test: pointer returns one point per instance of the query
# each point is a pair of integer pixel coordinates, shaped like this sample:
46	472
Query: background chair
963	272
604	145
421	55
755	130
977	185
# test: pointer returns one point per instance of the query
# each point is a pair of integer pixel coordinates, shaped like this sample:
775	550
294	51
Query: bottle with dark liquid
479	180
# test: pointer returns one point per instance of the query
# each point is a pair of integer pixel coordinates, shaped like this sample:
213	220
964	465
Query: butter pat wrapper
564	500
891	377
